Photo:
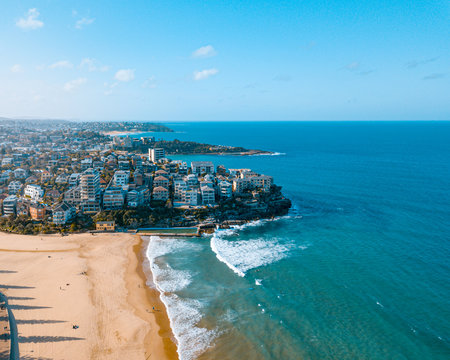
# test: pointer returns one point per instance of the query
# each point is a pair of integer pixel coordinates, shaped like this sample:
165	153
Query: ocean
359	269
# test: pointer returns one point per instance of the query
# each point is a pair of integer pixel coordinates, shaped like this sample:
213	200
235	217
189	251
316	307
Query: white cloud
79	24
93	65
200	75
63	64
204	51
16	68
125	75
73	84
30	22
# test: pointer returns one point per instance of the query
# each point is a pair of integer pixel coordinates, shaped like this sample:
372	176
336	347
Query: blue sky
225	60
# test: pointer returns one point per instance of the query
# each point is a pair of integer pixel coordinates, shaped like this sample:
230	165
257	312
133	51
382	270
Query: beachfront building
138	197
73	196
37	212
90	186
180	187
10	205
262	182
208	195
156	154
113	198
202	167
34	192
225	189
192	197
63	213
105	225
160	193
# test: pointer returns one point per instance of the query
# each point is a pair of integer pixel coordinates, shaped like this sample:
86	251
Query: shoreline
83	296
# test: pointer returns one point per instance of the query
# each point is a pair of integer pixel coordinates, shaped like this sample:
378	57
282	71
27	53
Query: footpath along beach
83	297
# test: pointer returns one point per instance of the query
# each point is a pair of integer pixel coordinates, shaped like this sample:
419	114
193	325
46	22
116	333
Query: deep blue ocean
360	269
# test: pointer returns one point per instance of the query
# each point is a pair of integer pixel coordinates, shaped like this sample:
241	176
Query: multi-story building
73	196
10	205
45	176
63	213
90	185
113	198
225	189
160	193
34	192
180	187
160	181
208	195
191	180
192	197
121	178
14	187
37	212
202	167
74	179
262	182
156	154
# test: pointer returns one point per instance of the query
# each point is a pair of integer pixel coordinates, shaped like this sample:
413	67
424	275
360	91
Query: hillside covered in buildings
69	179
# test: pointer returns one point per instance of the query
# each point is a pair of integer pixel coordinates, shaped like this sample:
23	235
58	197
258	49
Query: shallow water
359	269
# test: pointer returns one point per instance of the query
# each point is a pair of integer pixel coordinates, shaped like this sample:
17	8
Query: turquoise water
358	270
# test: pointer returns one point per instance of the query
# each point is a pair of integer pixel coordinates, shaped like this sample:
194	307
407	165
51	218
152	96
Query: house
45	176
20	173
105	225
63	213
160	193
37	212
121	178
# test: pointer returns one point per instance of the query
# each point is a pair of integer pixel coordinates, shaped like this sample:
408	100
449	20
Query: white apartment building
225	189
156	154
208	195
202	167
10	205
191	197
263	182
180	187
35	192
191	180
90	185
20	173
160	181
121	178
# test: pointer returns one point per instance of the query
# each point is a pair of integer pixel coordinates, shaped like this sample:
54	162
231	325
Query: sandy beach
94	283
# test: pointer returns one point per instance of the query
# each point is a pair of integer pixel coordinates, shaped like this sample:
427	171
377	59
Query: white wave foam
258	282
184	314
270	154
243	255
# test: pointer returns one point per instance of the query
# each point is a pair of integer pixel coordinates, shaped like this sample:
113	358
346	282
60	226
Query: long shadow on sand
15	287
44	339
7	272
28	307
12	298
37	322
